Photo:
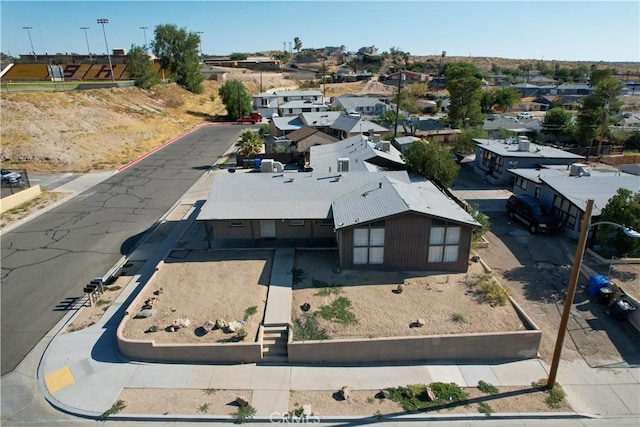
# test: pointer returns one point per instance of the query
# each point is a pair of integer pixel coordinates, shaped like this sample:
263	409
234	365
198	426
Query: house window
537	192
565	210
236	223
368	245
444	244
521	182
296	223
265	102
327	223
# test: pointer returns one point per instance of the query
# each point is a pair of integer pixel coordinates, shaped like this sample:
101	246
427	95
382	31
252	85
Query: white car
11	177
525	116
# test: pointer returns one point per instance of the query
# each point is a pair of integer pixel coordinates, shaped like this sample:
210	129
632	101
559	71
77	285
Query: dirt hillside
80	131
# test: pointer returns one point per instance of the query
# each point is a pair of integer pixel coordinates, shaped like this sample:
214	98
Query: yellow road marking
59	379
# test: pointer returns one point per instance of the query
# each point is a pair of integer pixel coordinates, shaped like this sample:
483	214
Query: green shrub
556	394
487	388
414	396
484	408
244	413
490	290
307	328
339	310
118	406
250	311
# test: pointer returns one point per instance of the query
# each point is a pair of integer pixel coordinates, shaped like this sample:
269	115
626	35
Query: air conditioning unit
266	165
376	139
385	146
579	169
343	164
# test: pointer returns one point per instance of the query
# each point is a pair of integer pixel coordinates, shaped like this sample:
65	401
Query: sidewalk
82	374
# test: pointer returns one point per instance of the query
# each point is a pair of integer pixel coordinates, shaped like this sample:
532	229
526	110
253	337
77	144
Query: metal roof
600	188
298	93
388	197
301	103
503	148
406	140
282	196
287	122
351	124
356	101
324	118
357	149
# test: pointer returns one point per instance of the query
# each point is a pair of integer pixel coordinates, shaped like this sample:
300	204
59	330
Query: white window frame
444	243
296	223
368	245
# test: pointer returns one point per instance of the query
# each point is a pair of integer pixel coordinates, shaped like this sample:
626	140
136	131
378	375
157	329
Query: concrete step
274	359
276	327
274	351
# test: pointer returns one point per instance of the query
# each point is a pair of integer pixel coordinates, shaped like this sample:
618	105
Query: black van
529	211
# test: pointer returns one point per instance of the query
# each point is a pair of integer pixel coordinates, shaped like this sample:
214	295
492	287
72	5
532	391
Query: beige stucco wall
488	346
19	198
148	350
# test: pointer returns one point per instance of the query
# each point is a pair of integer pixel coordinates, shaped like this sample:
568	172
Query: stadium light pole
35	58
144	30
199	33
103	21
86	37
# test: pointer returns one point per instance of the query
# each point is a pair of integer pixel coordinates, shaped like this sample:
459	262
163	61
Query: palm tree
297	44
250	143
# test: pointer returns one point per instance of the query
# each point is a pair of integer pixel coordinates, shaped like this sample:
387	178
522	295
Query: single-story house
359	153
495	156
404	142
565	189
303	139
513	124
297	107
322	121
361	105
347	126
378	220
281	126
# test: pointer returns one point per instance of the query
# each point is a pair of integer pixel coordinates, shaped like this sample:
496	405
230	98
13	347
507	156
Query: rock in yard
344	392
384	393
305	307
208	326
221	324
153	328
419	323
431	396
147	312
400	289
181	323
242	401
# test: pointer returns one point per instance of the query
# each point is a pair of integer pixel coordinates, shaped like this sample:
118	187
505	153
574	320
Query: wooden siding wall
311	229
406	246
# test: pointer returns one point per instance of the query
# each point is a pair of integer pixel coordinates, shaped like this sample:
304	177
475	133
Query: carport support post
571	292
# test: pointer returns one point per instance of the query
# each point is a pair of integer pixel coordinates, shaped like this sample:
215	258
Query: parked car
532	213
252	118
525	116
9	177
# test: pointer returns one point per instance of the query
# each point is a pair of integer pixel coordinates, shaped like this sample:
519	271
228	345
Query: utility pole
324	83
87	39
571	292
201	56
395	126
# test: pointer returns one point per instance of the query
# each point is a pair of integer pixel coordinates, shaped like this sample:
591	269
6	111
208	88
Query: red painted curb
164	144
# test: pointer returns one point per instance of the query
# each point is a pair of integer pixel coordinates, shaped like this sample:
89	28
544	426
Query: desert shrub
250	311
243	414
298	275
556	394
118	406
459	317
484	408
339	310
490	290
414	396
307	328
487	388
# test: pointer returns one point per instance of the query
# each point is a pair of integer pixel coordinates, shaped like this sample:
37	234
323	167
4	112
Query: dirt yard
382	312
201	286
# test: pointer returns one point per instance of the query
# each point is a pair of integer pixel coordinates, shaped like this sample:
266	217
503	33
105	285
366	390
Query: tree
599	75
250	143
178	52
140	67
237	56
388	118
462	143
556	121
624	209
505	97
594	114
431	160
236	99
297	44
464	85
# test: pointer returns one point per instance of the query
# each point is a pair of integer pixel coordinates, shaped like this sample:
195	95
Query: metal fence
11	186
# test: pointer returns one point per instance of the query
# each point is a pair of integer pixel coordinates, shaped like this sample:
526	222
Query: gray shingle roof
287	122
356	124
388	197
325	118
282	196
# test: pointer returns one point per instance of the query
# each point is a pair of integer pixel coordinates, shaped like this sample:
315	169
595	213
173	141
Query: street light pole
103	21
35	58
87	39
571	292
144	30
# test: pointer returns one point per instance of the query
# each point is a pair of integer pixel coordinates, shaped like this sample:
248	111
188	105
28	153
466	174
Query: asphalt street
47	262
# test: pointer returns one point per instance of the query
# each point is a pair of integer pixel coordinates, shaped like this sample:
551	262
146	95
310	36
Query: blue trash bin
596	282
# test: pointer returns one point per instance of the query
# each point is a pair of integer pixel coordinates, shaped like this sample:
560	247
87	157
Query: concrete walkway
278	311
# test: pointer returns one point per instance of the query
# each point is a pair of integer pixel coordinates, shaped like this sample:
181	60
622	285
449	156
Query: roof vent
343	164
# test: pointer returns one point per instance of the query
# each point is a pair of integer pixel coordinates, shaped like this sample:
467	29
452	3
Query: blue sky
549	30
